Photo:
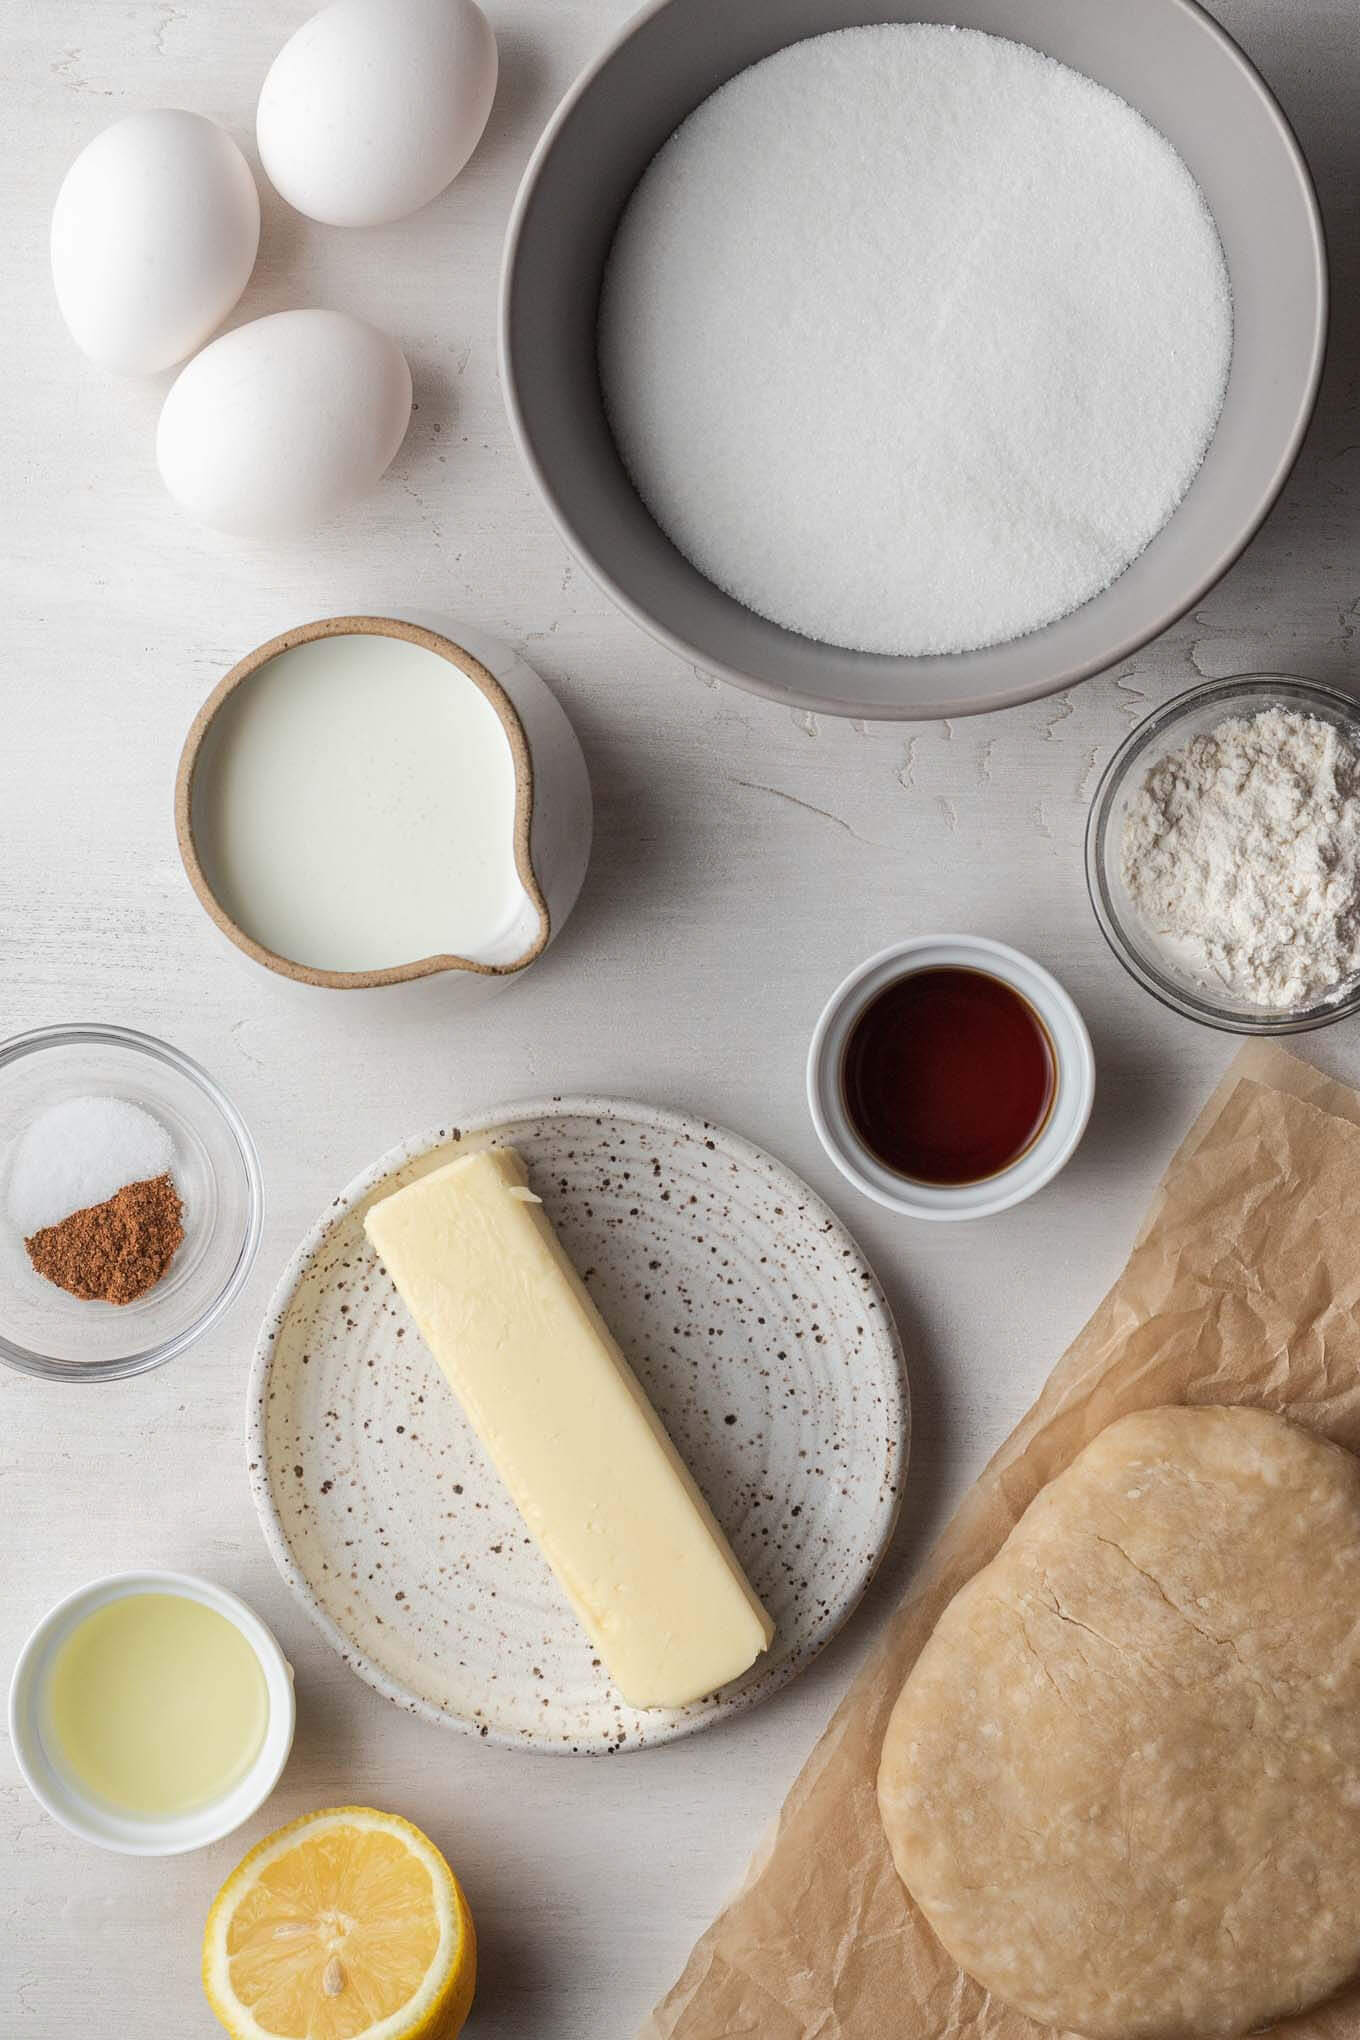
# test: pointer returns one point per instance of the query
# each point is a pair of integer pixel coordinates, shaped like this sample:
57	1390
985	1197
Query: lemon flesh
347	1925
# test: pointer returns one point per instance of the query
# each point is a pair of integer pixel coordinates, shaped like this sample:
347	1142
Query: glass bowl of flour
1223	854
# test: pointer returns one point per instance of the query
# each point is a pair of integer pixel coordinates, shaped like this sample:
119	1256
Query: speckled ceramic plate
753	1322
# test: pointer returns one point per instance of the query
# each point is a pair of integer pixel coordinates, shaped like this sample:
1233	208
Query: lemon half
346	1925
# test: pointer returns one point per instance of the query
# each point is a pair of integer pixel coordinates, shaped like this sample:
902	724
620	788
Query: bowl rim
521	760
1015	1183
44	1366
166	1835
1061	676
1180	998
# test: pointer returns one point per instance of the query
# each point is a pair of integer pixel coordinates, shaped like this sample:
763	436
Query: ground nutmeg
115	1251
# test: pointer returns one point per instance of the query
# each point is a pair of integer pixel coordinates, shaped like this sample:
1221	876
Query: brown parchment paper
1243	1286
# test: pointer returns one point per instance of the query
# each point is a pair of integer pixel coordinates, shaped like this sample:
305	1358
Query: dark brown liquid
948	1076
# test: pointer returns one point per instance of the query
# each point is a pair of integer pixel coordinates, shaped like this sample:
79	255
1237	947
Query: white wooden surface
746	857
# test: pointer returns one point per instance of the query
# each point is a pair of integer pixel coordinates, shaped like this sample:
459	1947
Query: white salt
82	1152
912	338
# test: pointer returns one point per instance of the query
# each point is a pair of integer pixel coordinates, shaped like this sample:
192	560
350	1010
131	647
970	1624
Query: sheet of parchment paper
1243	1286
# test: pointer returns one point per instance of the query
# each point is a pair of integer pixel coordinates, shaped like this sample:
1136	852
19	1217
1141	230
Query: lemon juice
155	1704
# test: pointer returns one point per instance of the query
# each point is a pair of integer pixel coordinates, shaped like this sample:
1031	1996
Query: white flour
1241	853
912	338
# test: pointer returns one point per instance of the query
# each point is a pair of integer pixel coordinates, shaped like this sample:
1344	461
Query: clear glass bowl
45	1331
1136	947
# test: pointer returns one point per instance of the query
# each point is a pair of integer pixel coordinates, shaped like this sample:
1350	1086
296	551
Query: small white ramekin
1041	1161
145	1834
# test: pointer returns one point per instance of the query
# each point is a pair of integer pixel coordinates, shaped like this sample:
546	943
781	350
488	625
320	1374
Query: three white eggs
366	114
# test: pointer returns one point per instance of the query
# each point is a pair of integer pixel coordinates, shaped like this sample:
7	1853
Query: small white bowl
146	1834
1041	1161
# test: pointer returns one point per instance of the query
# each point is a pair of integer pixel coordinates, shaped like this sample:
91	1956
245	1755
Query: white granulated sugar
911	338
79	1153
1241	854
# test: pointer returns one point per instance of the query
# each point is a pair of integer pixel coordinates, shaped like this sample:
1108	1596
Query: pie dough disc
1122	1781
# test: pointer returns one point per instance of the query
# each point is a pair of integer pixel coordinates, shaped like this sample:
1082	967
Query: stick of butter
569	1430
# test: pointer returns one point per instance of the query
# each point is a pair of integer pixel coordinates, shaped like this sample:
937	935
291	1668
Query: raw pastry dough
1123	1779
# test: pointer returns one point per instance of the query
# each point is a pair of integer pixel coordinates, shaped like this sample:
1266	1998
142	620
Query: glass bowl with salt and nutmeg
130	1202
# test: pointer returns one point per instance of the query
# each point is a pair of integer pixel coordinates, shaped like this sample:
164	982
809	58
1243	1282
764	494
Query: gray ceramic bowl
1178	68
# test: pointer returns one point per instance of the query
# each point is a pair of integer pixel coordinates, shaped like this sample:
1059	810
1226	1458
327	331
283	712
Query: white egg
281	423
154	235
375	105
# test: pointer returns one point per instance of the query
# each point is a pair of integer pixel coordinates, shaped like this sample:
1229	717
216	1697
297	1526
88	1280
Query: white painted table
745	858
